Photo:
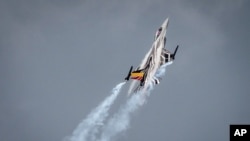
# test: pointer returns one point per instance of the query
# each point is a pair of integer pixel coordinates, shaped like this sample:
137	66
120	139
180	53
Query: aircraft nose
165	24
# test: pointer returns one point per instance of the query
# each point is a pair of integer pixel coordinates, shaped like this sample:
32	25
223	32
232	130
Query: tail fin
173	55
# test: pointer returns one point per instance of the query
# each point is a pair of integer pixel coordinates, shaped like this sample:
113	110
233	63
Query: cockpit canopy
158	32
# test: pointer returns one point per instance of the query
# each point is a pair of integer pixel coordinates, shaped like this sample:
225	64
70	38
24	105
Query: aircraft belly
156	60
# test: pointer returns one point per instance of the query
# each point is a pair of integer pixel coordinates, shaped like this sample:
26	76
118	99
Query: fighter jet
156	57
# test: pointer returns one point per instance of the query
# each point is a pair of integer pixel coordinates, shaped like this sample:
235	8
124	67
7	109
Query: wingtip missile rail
129	73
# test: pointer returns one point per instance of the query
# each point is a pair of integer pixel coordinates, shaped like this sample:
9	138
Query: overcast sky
60	58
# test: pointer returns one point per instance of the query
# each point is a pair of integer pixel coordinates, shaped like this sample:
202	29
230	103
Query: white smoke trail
161	71
89	127
121	120
132	86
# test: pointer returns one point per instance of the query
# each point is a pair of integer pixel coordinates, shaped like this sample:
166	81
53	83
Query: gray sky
59	59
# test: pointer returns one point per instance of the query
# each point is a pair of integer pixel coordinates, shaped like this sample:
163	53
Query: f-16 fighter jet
156	57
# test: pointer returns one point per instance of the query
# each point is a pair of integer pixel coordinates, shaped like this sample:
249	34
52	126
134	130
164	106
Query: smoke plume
92	128
121	120
89	127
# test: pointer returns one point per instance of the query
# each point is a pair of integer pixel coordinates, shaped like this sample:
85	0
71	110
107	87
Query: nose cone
165	24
